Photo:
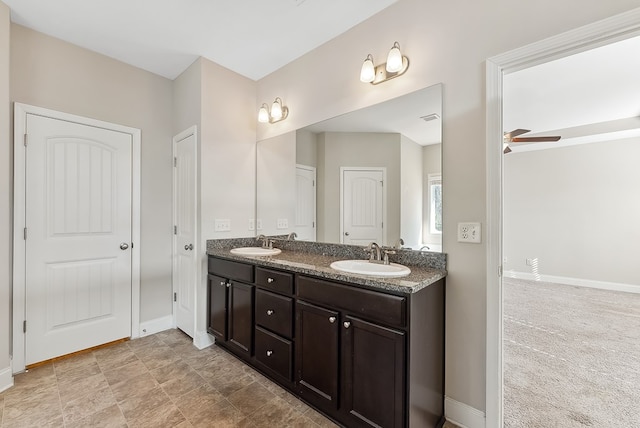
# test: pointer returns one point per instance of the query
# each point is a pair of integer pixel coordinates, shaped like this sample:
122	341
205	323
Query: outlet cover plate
282	223
222	225
469	232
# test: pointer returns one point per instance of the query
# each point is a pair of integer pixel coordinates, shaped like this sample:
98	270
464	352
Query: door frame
19	211
600	33
383	169
192	130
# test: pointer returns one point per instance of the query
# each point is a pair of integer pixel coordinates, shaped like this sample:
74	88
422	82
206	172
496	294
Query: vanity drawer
275	280
230	269
274	352
274	312
372	305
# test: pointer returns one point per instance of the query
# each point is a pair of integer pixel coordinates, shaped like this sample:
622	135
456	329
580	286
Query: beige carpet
571	356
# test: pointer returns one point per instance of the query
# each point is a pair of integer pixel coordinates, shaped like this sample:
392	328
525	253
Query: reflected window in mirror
434	187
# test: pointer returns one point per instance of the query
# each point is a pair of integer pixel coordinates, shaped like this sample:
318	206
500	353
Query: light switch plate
469	232
252	224
222	225
282	223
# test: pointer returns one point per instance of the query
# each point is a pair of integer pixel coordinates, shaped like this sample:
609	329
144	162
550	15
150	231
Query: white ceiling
586	97
250	37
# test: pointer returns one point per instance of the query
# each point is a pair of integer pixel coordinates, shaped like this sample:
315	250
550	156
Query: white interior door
362	206
305	226
185	249
78	220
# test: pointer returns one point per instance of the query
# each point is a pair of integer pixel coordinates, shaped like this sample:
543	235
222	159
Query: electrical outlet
222	225
282	223
252	224
259	224
469	232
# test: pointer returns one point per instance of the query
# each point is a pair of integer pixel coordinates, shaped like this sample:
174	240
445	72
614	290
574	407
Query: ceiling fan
513	137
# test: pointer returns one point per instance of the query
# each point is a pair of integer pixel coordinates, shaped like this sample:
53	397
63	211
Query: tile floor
160	380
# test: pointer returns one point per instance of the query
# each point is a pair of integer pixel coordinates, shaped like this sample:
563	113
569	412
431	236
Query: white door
305	203
78	228
362	206
185	249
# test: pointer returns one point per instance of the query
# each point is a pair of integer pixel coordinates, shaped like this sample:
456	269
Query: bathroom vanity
365	351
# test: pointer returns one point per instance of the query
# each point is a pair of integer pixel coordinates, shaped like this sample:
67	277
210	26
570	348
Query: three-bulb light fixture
395	66
277	112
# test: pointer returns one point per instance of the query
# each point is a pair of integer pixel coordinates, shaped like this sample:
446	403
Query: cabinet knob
269	353
270	280
346	324
228	284
332	319
223	283
269	312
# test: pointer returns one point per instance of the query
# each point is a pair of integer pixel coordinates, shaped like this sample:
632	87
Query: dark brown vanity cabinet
230	304
352	368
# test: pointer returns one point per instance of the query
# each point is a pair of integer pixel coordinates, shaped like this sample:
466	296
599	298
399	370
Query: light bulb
263	114
394	59
368	72
276	110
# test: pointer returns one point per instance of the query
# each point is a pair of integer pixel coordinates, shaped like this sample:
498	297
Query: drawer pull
332	319
269	353
346	324
270	280
269	312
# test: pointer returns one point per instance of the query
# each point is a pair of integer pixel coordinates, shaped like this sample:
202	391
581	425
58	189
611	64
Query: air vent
430	117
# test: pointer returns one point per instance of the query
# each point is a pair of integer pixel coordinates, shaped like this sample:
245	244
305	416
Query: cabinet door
317	333
241	316
373	364
217	292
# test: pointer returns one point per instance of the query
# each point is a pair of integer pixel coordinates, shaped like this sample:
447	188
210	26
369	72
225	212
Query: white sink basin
255	251
364	267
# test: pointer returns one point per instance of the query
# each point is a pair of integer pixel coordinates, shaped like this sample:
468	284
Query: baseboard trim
156	325
6	378
202	340
602	285
462	414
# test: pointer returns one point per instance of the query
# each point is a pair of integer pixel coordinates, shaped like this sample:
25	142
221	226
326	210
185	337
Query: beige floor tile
144	405
174	338
275	413
125	372
110	417
251	398
88	404
138	344
40	407
222	413
156	357
136	385
114	356
34	378
174	371
319	419
226	377
196	404
166	416
180	386
71	389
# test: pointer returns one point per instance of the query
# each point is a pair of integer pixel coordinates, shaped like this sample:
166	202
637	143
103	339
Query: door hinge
381	183
175	161
313	224
175	230
25	233
313	183
25	140
175	297
24	326
382	225
499	271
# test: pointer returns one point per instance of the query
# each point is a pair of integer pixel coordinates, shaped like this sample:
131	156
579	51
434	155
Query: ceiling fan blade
515	133
534	139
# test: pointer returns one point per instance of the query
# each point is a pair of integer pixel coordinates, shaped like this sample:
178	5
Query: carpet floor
571	356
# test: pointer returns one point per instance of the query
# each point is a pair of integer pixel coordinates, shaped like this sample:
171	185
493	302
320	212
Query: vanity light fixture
395	66
277	113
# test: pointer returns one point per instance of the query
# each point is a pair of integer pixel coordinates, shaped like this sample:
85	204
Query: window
435	204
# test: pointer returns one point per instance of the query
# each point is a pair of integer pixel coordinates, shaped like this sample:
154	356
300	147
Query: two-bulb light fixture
395	66
277	112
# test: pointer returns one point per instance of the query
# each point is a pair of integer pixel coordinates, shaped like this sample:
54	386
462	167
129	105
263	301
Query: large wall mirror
373	174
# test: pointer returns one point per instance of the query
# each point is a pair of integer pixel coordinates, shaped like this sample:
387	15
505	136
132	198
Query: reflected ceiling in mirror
369	175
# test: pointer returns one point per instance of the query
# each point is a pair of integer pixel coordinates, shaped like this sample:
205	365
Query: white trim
384	198
6	378
156	325
462	414
615	28
202	339
19	245
588	283
192	130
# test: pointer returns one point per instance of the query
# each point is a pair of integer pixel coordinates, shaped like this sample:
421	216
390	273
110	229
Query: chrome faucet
374	257
292	236
266	242
399	244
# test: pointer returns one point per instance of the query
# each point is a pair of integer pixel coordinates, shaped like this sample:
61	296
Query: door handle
188	247
124	246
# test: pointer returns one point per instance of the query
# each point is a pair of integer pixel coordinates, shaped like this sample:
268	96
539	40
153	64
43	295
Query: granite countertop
314	259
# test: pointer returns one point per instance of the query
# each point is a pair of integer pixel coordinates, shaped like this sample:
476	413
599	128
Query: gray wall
47	72
446	42
6	154
575	209
411	193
